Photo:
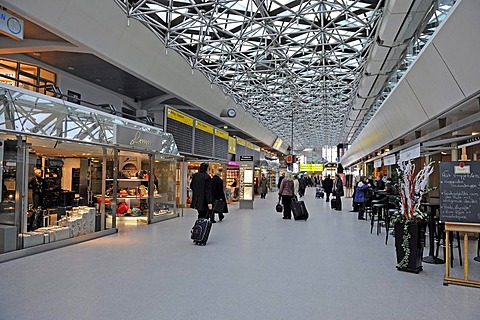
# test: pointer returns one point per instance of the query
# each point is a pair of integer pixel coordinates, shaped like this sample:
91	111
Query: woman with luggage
286	192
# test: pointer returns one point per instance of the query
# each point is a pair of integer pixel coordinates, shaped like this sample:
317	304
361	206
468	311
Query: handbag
218	206
279	207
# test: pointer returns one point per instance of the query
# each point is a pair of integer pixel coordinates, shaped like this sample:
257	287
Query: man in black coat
219	195
328	187
201	191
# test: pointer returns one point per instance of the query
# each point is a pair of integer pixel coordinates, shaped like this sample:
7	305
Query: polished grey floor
255	266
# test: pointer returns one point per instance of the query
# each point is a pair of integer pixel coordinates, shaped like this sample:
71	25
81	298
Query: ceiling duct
400	21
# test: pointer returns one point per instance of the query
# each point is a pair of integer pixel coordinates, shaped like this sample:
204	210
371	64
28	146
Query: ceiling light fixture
71	68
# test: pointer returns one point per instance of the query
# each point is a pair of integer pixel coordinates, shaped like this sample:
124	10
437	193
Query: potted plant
410	221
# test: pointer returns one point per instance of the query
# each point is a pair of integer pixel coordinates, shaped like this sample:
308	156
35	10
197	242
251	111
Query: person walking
201	186
286	192
302	185
338	188
362	186
219	195
328	187
263	187
296	186
280	179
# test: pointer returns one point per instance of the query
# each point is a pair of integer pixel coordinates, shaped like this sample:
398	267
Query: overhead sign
180	117
232	145
278	143
203	126
221	134
11	26
317	167
410	153
249	145
311	167
241	142
246	158
389	160
377	163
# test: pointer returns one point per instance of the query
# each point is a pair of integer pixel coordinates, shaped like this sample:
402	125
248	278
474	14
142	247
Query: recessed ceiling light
71	68
37	54
120	89
98	80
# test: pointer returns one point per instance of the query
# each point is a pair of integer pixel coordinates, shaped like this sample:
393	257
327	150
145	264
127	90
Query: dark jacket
302	183
338	187
201	189
217	191
264	185
328	185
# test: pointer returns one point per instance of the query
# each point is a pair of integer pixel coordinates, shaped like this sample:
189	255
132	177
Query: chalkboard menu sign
460	192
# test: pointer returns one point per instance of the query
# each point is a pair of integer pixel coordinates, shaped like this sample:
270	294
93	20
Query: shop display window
165	193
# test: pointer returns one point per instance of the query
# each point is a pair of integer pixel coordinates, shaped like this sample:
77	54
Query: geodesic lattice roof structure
278	59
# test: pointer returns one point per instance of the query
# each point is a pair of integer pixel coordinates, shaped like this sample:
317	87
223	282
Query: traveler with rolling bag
299	210
202	200
201	229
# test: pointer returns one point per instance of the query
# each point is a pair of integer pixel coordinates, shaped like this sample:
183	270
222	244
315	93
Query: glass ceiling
276	59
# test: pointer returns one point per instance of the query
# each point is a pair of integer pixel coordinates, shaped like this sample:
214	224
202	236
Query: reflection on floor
255	266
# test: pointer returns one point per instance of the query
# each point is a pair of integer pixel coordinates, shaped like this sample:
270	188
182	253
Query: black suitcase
299	210
201	231
333	203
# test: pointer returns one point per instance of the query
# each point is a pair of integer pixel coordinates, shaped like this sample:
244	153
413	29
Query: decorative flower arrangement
411	190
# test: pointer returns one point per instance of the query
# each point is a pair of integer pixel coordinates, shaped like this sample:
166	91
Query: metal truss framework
32	113
278	59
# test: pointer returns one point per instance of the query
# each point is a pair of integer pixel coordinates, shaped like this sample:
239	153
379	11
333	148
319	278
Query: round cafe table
431	258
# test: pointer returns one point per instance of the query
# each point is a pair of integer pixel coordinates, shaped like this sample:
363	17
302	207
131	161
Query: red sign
290	158
462	164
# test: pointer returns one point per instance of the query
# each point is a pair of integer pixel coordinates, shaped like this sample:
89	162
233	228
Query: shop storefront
70	174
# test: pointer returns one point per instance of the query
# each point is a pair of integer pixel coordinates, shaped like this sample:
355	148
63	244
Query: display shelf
128	180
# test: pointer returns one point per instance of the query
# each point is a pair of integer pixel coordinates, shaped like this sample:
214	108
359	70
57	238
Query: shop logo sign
11	26
139	140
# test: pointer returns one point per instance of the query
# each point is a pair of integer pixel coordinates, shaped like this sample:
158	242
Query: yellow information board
305	167
241	142
180	117
221	134
203	126
232	145
317	167
249	145
311	167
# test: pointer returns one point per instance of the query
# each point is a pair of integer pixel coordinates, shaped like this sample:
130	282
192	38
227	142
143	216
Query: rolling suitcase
201	230
333	203
299	210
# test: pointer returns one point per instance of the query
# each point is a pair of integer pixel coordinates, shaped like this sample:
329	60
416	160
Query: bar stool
441	241
379	208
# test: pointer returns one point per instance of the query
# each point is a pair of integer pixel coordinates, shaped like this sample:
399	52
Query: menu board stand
465	228
246	182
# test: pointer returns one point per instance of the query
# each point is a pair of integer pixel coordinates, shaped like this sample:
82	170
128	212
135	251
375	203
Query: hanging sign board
11	26
232	145
389	160
377	163
410	153
460	192
222	134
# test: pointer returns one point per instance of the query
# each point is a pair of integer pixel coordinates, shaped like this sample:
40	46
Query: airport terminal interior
345	135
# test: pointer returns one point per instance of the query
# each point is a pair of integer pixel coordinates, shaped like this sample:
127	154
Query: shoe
361	218
213	221
221	218
285	218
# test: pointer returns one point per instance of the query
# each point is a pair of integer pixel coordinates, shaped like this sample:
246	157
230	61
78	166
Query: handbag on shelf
218	206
